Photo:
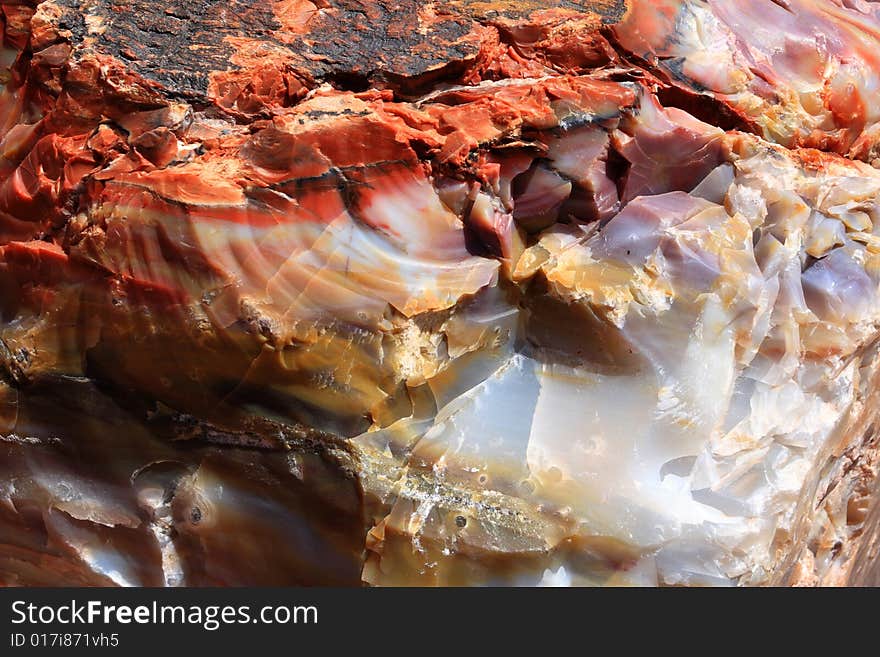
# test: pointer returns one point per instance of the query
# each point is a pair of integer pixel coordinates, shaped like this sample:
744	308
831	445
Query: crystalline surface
523	292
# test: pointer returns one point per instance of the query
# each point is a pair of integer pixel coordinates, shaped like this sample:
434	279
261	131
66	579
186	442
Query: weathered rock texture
459	292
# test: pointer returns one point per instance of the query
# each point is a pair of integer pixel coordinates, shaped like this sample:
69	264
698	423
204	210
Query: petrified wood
459	292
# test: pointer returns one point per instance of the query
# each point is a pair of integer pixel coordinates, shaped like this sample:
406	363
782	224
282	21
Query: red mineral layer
231	229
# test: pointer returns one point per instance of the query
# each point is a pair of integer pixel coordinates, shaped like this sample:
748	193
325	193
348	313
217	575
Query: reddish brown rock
277	269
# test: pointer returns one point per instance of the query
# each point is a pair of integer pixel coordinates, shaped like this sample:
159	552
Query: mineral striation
449	293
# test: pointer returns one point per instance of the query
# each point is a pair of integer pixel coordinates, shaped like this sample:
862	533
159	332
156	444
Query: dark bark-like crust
179	45
174	44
